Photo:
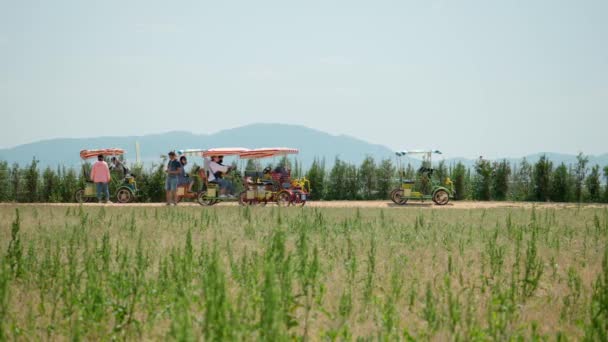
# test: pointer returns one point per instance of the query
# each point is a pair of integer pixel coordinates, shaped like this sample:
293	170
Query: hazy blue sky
492	78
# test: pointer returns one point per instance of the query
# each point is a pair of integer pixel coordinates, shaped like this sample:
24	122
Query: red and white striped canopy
268	152
86	154
225	151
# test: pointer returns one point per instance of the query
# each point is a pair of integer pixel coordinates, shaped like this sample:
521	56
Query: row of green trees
541	181
30	184
500	180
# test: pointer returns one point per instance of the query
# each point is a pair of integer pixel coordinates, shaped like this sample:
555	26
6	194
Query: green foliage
367	178
533	265
606	184
542	179
316	176
459	177
32	181
409	172
284	162
385	175
15	175
580	173
4	297
69	185
230	273
14	253
483	179
500	180
152	185
296	172
523	188
251	165
597	328
351	182
431	316
337	180
593	184
560	184
5	194
345	181
217	307
441	172
51	186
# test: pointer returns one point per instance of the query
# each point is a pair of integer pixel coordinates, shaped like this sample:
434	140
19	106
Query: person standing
173	172
100	175
184	178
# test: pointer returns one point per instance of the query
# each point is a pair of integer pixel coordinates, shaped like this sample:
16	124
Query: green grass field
231	273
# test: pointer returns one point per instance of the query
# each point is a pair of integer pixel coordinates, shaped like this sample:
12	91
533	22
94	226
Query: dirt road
356	204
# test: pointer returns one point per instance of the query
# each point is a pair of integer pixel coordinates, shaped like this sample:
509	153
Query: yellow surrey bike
209	193
126	188
424	187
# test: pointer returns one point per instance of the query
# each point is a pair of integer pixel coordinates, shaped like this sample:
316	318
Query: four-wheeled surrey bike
126	188
272	184
424	186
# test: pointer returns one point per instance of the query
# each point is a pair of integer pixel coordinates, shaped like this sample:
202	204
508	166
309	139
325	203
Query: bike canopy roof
222	151
225	151
86	154
191	152
414	152
268	152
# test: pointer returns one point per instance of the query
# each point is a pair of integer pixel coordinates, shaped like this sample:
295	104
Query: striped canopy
86	154
268	152
191	152
225	151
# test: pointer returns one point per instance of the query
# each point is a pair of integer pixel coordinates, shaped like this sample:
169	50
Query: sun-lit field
235	273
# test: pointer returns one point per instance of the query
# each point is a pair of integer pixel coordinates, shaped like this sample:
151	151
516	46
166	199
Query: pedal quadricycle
423	186
211	191
126	188
272	184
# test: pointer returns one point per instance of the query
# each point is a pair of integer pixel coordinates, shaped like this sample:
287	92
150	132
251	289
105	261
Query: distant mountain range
311	143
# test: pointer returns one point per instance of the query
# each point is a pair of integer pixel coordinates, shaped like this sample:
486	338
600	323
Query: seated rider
118	165
426	170
183	178
282	171
217	170
281	174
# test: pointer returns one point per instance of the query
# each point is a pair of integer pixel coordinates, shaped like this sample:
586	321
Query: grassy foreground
232	273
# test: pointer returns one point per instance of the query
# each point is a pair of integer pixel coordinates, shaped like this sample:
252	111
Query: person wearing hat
173	170
216	174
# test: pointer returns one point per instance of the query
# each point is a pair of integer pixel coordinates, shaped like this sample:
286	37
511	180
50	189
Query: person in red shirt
100	175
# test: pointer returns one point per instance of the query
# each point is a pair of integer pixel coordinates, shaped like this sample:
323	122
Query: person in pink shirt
100	175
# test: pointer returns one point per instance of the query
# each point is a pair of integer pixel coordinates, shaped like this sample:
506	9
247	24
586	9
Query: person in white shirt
216	174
